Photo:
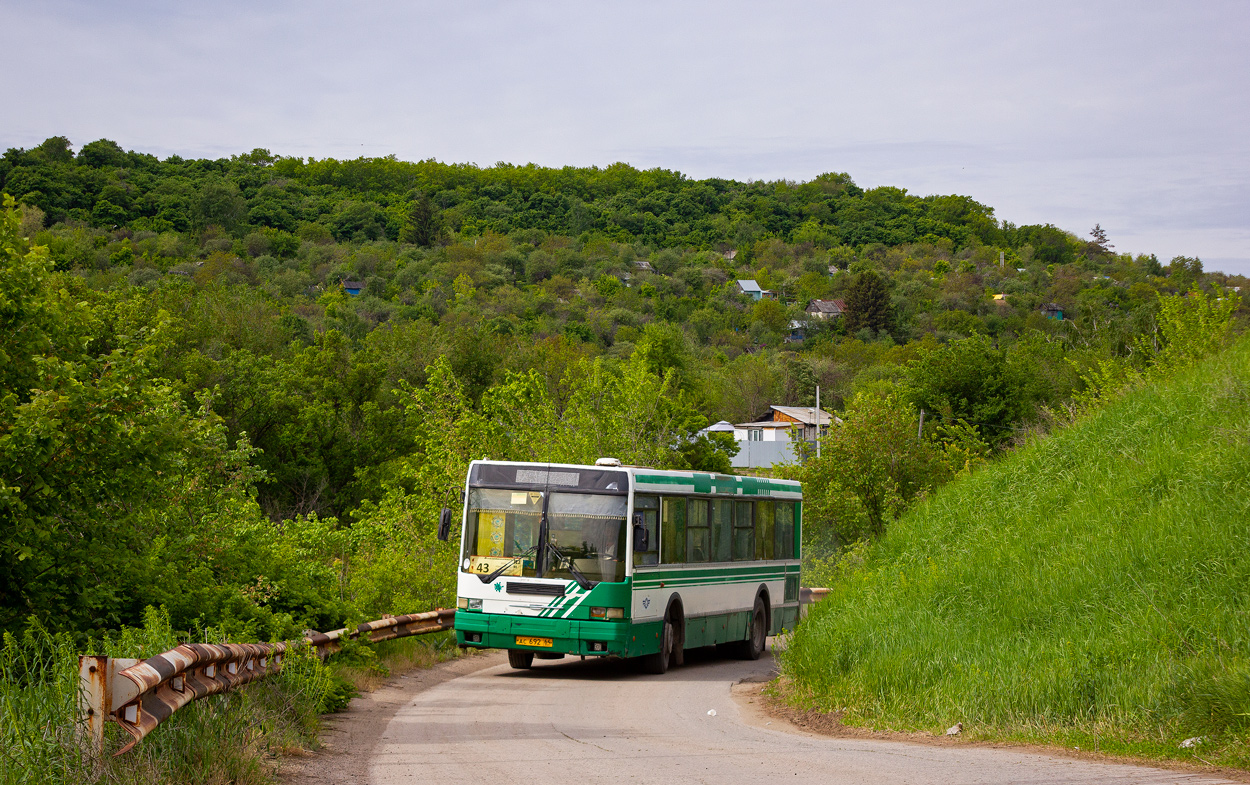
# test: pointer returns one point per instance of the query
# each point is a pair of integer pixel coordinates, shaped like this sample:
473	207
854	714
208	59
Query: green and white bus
627	561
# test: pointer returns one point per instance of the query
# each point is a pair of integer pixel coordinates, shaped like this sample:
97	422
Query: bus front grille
545	589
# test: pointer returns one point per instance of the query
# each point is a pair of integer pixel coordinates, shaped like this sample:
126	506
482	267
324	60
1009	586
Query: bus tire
520	660
658	663
757	632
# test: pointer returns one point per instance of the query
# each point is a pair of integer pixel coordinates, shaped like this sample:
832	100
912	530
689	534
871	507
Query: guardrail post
94	701
99	694
809	595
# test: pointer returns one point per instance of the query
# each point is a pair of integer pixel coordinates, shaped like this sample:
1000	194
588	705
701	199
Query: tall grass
1092	589
227	738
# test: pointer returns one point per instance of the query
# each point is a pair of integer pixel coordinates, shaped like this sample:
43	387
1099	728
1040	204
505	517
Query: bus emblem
646	602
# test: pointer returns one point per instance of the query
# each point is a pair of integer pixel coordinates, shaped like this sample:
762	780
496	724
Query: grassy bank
1092	590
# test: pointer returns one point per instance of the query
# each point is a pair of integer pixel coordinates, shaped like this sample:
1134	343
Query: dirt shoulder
761	709
348	738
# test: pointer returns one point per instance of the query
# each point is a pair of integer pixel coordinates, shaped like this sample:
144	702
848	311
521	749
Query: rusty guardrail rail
808	595
139	695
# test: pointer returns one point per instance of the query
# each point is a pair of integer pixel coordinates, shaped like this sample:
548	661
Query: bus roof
647	480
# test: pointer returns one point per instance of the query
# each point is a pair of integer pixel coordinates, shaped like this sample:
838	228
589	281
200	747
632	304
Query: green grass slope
1091	590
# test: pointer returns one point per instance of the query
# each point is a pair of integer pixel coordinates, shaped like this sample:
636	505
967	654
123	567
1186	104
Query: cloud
1127	114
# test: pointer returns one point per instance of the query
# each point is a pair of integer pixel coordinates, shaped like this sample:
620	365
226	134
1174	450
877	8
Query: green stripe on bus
703	482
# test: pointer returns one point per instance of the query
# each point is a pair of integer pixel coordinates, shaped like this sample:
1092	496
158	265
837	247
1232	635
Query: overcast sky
1133	115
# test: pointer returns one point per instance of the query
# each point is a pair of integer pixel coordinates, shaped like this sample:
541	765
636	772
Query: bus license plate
522	640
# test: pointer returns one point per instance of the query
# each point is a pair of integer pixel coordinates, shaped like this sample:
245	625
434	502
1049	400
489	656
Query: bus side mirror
642	540
444	524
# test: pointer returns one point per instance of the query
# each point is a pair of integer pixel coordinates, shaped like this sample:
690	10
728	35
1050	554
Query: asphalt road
571	722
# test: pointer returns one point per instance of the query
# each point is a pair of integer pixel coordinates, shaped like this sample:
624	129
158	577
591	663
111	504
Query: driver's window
647	512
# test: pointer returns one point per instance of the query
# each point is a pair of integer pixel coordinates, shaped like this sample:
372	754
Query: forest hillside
243	388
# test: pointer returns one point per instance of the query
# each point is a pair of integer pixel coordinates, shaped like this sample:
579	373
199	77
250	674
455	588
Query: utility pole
920	430
818	421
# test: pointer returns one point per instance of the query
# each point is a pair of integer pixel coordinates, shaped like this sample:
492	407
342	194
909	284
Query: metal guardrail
808	595
139	695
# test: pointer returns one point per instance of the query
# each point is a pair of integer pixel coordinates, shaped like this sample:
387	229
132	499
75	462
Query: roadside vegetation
229	738
238	737
1087	590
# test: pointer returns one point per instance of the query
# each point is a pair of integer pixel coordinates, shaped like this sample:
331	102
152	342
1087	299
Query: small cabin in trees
1052	311
753	290
354	288
644	266
826	309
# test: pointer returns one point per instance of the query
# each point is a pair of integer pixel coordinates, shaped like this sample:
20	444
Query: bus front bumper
591	638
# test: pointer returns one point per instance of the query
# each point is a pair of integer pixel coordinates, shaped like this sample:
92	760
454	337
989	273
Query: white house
770	438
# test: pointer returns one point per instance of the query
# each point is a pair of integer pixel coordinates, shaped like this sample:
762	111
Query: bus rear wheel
757	632
658	663
520	660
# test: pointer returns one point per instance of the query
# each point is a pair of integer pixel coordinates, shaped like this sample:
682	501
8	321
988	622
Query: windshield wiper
492	576
582	580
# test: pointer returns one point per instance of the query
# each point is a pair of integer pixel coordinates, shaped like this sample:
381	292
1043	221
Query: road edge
761	707
348	738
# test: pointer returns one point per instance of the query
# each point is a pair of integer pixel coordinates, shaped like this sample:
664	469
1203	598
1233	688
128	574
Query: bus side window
722	529
785	530
744	531
764	516
649	508
697	539
673	530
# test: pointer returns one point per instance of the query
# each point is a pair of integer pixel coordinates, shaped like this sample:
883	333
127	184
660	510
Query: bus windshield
586	533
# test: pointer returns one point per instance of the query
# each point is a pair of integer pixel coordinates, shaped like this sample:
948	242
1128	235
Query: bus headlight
607	613
462	603
475	603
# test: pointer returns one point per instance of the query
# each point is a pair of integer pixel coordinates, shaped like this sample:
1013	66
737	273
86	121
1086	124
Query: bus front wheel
520	660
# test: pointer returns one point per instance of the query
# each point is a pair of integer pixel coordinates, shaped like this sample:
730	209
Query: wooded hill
186	368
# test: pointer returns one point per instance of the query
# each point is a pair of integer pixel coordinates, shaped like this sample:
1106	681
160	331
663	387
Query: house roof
826	306
353	284
749	286
724	426
806	414
764	424
642	264
1050	307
